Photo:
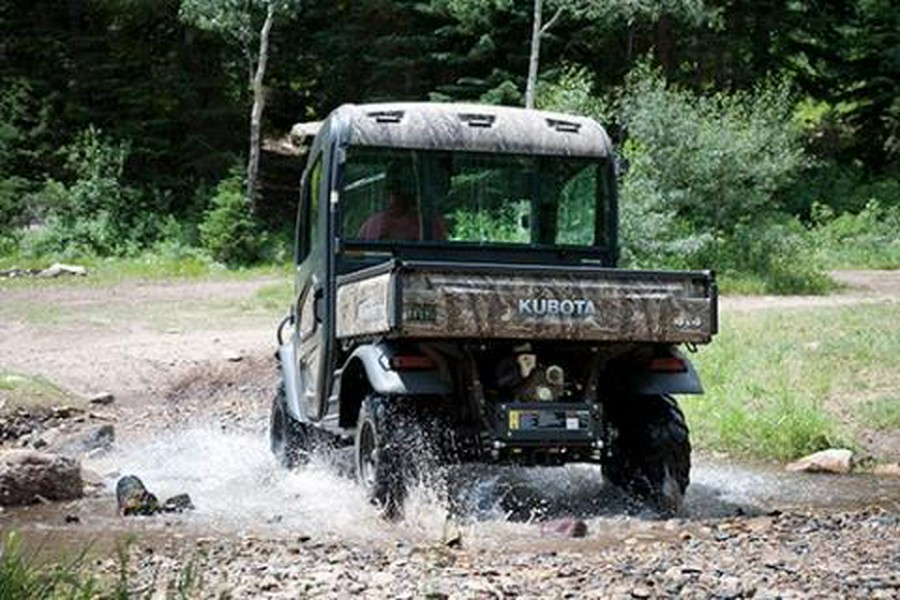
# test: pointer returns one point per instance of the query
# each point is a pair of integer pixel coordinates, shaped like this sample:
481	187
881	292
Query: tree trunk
537	32
258	104
533	63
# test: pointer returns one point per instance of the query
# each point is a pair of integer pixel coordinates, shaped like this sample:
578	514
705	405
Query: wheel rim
367	456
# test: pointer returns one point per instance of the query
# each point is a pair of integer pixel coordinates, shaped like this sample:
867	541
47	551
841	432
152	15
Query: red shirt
394	224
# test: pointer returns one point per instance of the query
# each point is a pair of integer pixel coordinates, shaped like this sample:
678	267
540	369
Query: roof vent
563	126
476	120
386	116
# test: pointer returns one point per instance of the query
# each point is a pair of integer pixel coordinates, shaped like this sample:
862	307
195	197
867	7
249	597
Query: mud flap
645	382
287	356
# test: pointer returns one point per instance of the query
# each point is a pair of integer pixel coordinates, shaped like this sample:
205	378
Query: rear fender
644	381
384	379
368	369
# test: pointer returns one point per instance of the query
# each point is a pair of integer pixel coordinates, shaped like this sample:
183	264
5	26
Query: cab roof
470	127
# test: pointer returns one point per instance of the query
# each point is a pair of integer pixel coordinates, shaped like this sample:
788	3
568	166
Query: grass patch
782	383
273	297
22	577
869	239
33	575
751	284
148	266
882	414
26	391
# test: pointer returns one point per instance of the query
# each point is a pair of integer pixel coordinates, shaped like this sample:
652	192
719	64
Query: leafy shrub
867	239
96	213
651	234
778	251
573	92
716	160
229	230
704	180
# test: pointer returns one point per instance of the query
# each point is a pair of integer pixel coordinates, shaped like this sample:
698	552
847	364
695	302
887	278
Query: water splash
237	487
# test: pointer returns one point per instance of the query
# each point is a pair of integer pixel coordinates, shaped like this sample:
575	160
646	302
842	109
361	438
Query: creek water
238	490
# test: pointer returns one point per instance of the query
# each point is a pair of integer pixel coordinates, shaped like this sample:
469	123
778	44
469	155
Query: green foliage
869	239
229	231
13	186
719	159
650	232
705	172
572	91
96	213
503	224
776	380
778	252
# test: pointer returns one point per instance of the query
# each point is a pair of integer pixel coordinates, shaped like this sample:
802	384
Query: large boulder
27	477
835	460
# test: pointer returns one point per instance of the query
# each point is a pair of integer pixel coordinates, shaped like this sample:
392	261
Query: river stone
85	440
133	498
838	461
566	527
102	399
27	476
178	503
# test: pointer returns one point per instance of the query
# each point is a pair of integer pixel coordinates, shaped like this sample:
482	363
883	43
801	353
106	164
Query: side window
308	233
576	216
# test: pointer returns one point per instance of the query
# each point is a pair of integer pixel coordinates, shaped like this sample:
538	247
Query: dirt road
191	417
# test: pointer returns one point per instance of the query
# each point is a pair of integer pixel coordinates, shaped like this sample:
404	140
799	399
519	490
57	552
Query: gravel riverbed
791	555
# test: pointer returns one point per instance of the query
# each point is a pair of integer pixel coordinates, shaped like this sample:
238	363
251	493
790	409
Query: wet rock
452	536
566	527
84	440
838	461
65	412
102	399
134	499
887	470
178	503
27	477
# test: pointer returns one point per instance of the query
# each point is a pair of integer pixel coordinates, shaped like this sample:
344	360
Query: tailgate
442	300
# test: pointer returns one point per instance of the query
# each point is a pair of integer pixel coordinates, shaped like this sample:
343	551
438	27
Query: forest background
763	137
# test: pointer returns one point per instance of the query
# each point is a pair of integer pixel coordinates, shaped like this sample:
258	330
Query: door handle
318	296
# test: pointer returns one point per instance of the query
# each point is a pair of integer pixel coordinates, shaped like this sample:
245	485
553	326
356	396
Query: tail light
668	364
411	362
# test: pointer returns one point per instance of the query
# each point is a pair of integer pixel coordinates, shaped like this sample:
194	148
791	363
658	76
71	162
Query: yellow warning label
513	419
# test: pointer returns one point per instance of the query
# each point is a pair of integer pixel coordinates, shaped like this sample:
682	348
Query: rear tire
380	456
648	451
289	439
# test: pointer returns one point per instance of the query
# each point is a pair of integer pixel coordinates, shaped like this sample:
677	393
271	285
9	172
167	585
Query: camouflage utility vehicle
457	298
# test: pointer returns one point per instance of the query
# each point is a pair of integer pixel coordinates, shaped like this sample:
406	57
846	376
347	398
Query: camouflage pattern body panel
600	305
363	306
